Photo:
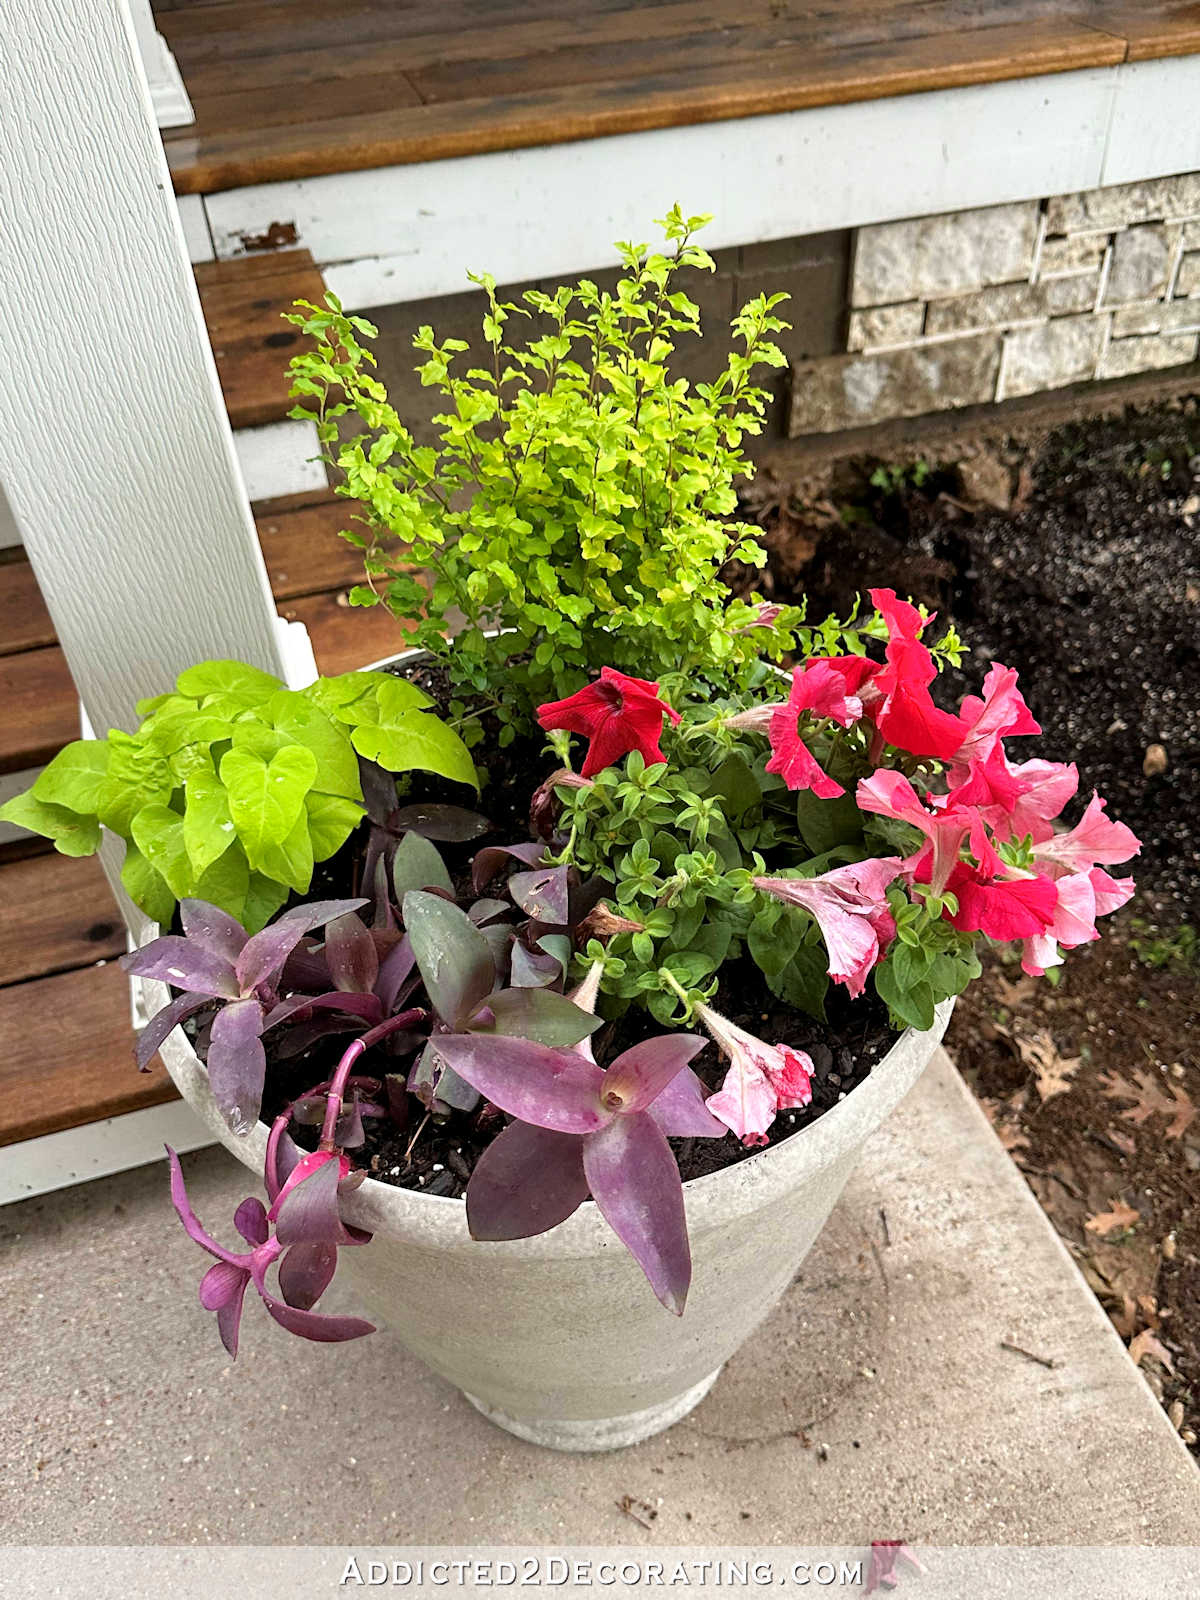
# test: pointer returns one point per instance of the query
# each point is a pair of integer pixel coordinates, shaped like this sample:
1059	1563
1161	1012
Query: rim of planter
432	1218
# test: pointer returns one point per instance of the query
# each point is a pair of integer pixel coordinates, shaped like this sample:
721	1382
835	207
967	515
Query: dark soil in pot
1073	555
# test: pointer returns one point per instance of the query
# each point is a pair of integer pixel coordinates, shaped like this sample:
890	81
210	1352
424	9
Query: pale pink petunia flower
850	907
1095	840
762	1080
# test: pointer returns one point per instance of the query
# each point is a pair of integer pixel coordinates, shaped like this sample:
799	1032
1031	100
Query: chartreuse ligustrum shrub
234	786
579	495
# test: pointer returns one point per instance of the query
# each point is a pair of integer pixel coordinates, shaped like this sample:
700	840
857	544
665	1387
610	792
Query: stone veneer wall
957	310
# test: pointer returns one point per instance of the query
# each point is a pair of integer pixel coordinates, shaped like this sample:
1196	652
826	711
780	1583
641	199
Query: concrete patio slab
877	1402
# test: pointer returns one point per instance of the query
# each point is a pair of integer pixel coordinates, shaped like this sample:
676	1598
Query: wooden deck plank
787	79
301	548
41	708
24	621
251	342
56	913
76	1065
1152	31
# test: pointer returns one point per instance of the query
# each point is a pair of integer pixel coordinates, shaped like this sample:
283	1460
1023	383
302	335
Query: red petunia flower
617	714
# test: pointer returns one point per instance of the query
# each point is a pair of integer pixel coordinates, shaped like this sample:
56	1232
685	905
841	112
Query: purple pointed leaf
305	1272
489	861
184	965
229	1318
164	1022
394	970
379	792
305	969
309	1213
315	1325
282	1158
366	1006
542	894
551	1088
455	961
349	1134
301	1036
680	1109
451	824
265	954
250	1220
183	1209
213	929
535	1014
533	969
634	1179
221	1283
384	917
350	955
641	1074
484	911
237	1063
527	1181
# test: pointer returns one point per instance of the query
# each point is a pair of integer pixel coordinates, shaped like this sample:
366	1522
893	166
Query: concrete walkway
876	1403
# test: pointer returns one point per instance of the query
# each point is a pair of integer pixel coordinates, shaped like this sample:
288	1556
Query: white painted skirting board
408	232
56	1160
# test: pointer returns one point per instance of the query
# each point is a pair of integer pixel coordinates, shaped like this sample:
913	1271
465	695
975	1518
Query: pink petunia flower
616	714
819	688
1000	714
850	907
1095	840
890	794
1046	788
1020	907
907	716
1073	924
763	1079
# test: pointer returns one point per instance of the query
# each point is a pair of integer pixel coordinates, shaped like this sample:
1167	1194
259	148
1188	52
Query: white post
115	449
169	97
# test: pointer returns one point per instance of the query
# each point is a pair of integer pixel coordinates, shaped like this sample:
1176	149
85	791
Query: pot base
601	1433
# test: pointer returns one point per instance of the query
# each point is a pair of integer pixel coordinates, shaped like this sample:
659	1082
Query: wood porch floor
287	89
64	1019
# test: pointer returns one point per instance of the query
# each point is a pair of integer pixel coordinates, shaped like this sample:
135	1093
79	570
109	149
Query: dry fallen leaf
1009	1135
1052	1072
1015	994
1145	1344
1119	1219
1149	1098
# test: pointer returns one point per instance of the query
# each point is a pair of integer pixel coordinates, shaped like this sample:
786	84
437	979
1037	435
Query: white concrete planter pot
559	1338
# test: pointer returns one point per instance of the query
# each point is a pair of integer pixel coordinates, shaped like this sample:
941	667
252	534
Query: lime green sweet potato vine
234	786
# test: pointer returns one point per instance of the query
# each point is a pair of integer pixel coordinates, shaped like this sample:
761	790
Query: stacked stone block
1009	300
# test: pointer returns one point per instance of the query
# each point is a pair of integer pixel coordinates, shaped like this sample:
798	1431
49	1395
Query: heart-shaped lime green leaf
418	741
395	696
337	766
208	829
227	882
146	887
73	835
138	776
331	821
263	900
266	798
232	678
158	834
75	777
290	861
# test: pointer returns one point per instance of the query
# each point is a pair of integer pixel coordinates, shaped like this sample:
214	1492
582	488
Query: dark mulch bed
1074	556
